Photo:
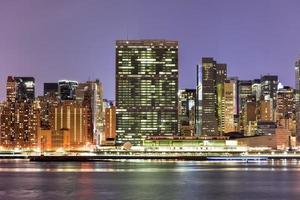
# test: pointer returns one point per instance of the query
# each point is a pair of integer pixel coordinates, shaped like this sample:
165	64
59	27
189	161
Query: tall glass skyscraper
146	89
25	88
186	115
213	78
198	102
66	89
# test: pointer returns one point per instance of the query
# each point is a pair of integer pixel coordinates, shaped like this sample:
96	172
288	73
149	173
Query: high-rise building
70	125
285	102
110	124
209	97
19	125
146	89
90	94
221	73
244	91
66	89
51	88
256	89
46	104
221	76
198	102
11	89
20	89
213	78
265	110
20	114
249	117
285	110
186	115
229	106
269	85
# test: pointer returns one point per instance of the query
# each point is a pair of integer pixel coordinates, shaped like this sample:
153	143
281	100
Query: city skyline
81	36
139	99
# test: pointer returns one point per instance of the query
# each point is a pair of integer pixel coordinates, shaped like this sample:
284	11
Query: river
21	179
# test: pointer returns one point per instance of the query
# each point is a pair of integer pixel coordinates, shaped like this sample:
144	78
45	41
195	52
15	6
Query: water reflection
21	179
147	167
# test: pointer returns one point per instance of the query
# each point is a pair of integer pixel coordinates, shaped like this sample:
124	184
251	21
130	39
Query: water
21	179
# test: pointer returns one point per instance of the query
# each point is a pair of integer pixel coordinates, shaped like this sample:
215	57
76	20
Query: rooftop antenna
126	22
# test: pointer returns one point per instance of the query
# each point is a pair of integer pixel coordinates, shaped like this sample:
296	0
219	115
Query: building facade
244	91
19	115
90	94
70	126
25	88
67	89
230	107
51	88
285	110
110	124
186	112
213	78
146	89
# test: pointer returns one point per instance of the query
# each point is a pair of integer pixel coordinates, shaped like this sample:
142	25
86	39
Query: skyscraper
19	115
19	125
51	88
213	78
269	86
285	102
110	124
45	104
244	91
26	88
146	89
265	110
11	89
66	89
90	94
209	97
221	76
249	122
285	110
256	89
230	106
186	113
198	102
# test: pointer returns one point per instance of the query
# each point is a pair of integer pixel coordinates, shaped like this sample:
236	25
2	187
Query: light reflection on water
147	166
272	180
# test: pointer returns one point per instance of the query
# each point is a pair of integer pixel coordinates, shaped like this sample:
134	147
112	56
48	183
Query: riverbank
150	156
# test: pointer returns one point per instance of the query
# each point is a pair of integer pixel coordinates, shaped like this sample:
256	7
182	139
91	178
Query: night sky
74	39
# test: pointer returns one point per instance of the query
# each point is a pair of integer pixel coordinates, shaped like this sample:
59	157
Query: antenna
126	22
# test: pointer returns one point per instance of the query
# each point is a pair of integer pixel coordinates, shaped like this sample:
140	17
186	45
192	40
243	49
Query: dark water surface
21	179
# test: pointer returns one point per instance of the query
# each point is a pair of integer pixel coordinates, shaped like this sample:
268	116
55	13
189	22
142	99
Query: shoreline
106	158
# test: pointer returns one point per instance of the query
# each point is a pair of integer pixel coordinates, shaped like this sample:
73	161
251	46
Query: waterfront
149	180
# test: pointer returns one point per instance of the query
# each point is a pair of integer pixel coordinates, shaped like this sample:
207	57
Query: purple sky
74	39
